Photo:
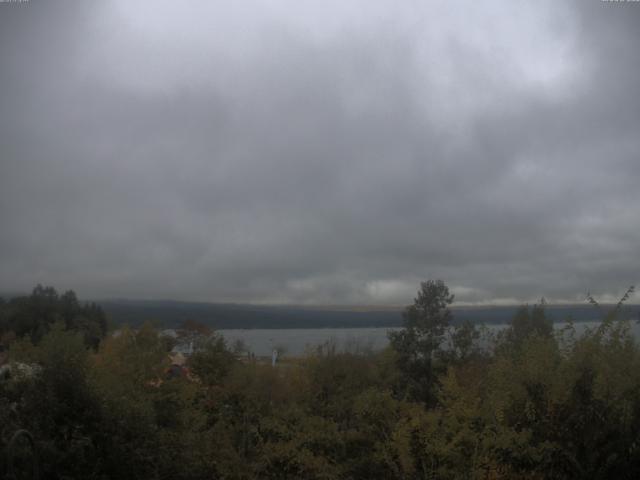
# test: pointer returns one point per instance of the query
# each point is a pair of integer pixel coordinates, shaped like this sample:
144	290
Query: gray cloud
320	154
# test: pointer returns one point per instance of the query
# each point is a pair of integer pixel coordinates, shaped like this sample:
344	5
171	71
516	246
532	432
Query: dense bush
534	403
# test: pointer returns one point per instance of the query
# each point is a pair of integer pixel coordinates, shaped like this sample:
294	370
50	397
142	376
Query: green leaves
541	404
213	361
418	344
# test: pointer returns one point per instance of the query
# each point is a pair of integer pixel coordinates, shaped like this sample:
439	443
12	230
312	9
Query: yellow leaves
134	357
401	439
518	414
499	414
530	411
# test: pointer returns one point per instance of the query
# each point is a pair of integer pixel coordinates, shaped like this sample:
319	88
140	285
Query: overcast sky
325	152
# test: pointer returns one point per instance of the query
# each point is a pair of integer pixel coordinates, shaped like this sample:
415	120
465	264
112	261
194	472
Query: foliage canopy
535	403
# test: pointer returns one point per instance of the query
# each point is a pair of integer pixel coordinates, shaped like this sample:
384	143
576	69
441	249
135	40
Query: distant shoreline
169	314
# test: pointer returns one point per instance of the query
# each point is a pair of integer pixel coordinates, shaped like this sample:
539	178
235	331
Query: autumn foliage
441	402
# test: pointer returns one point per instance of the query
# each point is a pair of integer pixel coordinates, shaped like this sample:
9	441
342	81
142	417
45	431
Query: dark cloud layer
320	154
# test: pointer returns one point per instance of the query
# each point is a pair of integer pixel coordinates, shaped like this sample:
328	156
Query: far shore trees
34	315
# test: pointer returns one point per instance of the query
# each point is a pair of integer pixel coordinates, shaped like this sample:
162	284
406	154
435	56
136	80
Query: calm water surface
297	341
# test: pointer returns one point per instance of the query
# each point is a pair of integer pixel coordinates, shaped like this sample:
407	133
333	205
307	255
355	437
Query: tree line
530	402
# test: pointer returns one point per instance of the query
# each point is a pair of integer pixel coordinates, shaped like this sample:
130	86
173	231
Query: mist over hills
169	314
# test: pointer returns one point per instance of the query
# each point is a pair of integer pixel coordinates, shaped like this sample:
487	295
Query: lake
295	341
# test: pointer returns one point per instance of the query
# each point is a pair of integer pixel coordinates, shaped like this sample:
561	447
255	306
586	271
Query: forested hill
221	316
